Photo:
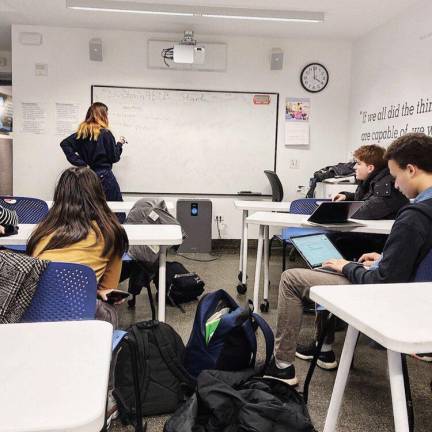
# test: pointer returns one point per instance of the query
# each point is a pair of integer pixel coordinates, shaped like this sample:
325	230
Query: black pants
111	188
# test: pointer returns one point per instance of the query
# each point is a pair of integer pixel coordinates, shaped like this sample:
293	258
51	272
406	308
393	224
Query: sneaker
112	410
326	359
427	357
286	375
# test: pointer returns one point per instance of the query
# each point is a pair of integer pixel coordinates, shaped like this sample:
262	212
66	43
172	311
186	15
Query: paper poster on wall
6	113
34	116
297	112
68	116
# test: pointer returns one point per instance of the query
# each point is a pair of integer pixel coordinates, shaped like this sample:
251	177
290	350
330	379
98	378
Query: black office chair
276	185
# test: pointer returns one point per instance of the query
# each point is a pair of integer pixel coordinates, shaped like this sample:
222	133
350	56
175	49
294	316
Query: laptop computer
335	213
316	249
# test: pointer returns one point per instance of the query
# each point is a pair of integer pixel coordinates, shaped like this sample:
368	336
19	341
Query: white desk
246	207
401	326
54	376
138	235
264	220
123	206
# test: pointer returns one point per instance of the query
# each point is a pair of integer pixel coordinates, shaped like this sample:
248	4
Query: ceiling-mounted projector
186	51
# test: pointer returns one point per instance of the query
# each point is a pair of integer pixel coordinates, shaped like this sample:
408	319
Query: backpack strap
176	368
143	356
268	336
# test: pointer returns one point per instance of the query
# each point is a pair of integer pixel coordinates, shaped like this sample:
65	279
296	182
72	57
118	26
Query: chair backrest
424	270
65	292
305	205
29	210
276	185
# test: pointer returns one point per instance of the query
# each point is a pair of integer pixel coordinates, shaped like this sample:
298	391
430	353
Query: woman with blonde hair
94	145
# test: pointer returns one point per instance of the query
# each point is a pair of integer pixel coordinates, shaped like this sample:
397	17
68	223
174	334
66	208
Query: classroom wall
391	78
38	159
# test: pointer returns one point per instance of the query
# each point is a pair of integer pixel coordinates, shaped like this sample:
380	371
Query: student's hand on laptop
369	258
339	197
335	264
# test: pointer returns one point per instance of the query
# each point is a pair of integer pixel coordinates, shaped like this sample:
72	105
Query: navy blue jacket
97	154
409	242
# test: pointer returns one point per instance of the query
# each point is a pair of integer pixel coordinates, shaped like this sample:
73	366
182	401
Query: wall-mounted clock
314	77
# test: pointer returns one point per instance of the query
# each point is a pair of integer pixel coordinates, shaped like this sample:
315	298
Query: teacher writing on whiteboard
94	145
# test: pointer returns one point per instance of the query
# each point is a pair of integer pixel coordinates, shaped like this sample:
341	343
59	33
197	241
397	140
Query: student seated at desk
381	201
80	228
410	163
7	217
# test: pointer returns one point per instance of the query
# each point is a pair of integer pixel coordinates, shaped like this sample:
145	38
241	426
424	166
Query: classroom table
397	316
247	206
265	220
138	235
123	206
54	376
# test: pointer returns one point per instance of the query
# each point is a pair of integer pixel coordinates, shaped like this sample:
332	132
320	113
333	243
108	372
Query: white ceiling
344	19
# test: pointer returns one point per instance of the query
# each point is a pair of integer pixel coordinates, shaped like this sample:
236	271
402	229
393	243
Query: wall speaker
95	49
276	59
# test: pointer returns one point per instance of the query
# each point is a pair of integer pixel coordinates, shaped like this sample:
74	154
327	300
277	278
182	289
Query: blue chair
67	292
29	211
304	206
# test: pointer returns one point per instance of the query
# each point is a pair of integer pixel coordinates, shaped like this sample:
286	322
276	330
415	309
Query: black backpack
182	286
162	380
239	402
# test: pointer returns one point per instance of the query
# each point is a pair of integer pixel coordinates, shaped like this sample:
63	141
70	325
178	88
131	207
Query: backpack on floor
182	286
163	381
232	345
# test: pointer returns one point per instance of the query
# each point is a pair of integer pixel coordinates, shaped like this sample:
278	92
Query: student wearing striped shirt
7	217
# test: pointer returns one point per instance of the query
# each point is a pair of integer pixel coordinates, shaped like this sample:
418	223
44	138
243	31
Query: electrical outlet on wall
293	164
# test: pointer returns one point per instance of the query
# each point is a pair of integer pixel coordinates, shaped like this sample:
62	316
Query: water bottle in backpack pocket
223	335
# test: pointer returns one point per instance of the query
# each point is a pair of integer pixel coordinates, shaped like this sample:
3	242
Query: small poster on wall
297	112
6	113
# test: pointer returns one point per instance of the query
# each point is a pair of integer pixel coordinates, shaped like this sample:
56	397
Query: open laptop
316	249
335	213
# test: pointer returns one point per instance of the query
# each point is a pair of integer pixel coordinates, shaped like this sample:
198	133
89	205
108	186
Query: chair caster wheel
264	306
241	288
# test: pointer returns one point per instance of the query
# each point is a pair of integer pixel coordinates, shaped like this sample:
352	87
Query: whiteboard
192	141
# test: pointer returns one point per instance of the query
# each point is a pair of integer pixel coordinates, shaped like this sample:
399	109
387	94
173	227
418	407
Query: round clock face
314	77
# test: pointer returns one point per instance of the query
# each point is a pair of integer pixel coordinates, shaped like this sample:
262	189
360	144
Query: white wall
392	65
38	159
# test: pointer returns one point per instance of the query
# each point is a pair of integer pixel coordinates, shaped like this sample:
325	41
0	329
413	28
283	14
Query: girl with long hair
94	145
81	228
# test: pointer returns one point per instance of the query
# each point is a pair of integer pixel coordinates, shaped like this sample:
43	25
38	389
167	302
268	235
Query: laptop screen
316	249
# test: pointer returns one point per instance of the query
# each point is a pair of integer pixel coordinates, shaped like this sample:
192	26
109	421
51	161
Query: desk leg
397	386
341	379
245	248
244	216
266	262
162	283
258	268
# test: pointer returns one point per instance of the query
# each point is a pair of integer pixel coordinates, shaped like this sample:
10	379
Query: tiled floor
367	403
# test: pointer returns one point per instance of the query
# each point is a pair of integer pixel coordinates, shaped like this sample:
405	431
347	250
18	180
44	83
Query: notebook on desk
335	214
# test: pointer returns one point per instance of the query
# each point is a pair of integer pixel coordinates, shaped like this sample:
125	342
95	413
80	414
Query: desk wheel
240	276
264	306
241	288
